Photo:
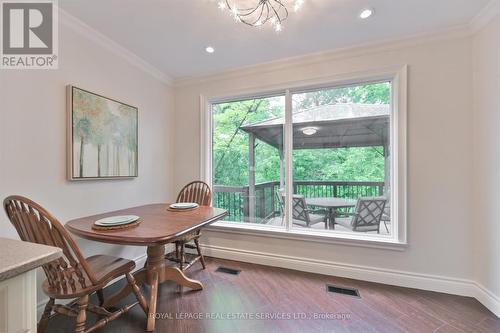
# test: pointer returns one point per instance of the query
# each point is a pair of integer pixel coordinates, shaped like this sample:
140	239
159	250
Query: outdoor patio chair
386	216
279	195
301	215
366	217
306	217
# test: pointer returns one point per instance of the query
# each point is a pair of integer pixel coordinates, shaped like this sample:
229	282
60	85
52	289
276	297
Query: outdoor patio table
332	204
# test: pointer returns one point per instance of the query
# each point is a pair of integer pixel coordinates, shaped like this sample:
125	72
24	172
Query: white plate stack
113	221
184	205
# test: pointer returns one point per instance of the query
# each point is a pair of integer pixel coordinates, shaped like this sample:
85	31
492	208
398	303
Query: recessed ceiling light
309	130
366	13
210	49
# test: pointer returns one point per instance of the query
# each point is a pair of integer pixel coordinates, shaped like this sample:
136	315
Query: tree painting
104	137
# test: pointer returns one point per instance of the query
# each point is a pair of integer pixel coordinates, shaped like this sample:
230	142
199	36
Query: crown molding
488	13
97	37
485	16
370	48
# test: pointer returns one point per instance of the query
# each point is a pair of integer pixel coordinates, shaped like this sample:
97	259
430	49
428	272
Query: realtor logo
29	34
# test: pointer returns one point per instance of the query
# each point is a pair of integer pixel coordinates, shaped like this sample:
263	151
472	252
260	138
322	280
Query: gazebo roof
338	125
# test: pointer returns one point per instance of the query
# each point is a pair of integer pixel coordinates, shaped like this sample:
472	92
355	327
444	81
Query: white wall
33	136
440	168
486	50
451	229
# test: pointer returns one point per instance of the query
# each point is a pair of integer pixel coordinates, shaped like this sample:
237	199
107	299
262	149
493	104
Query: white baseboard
436	283
488	299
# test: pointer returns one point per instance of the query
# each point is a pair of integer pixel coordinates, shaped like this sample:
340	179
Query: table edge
331	206
108	236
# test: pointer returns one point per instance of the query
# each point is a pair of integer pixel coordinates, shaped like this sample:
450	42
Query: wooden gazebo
327	126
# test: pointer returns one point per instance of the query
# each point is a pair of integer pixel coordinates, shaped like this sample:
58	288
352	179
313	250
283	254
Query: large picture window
335	146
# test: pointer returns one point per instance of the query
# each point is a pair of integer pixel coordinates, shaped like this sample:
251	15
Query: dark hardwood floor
283	294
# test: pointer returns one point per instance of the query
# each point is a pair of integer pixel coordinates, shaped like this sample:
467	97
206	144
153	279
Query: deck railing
235	199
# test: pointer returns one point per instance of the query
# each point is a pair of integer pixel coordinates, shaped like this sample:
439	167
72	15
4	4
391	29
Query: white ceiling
172	34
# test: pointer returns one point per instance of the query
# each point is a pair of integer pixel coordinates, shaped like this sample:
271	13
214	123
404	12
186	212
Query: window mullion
288	133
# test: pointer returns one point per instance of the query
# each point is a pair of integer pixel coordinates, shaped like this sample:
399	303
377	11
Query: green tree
230	143
378	93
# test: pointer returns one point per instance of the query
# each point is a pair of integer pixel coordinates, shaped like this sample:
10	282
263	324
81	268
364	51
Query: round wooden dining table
158	226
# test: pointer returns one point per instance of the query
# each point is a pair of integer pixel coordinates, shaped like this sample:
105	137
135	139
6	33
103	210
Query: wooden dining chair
199	192
72	276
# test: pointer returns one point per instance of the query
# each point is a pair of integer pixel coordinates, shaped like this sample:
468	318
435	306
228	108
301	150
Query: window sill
329	237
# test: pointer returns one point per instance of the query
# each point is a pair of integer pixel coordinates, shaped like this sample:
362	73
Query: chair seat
189	237
105	268
346	223
313	218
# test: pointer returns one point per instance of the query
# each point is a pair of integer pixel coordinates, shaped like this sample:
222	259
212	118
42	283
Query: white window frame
397	75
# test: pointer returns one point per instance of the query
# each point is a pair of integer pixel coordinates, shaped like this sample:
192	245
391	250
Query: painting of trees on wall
102	137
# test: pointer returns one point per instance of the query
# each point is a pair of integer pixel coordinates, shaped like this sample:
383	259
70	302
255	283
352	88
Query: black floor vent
228	270
343	291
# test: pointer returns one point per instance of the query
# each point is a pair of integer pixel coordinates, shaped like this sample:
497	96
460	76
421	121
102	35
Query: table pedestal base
154	273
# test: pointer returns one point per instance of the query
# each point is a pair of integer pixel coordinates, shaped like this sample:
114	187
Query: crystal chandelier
256	13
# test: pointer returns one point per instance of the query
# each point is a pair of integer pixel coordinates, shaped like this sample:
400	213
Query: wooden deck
235	199
276	221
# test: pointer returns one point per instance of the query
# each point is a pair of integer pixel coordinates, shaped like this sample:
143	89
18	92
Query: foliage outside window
251	189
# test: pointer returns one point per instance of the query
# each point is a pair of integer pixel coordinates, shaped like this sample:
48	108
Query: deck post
282	170
387	170
251	177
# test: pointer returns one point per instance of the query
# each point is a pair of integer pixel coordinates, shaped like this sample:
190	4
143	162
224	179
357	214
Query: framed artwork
102	137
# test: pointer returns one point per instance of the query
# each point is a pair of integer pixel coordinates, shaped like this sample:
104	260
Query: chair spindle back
34	224
196	191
